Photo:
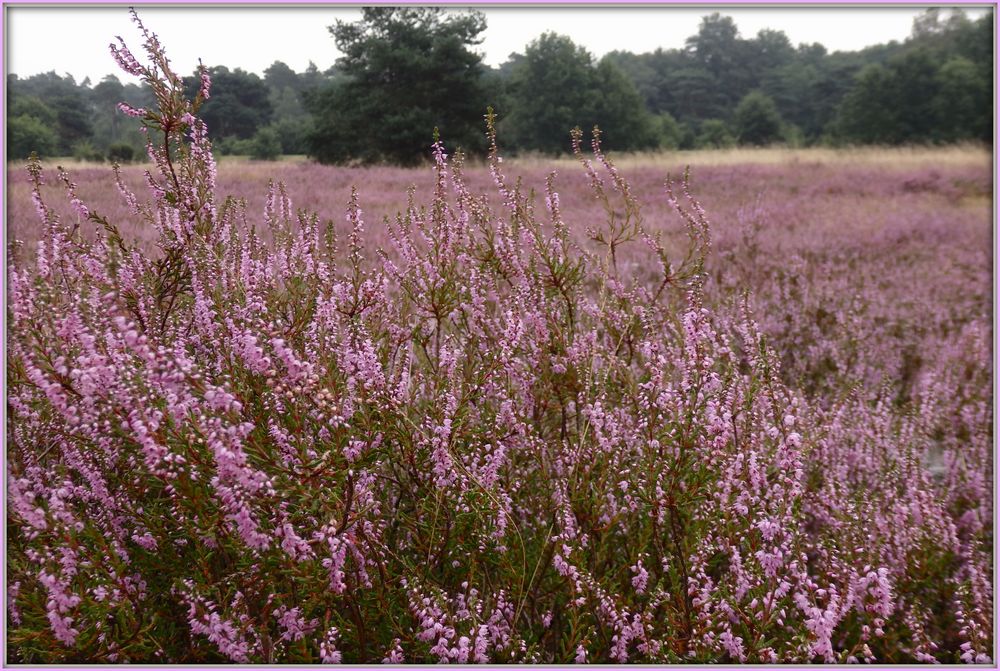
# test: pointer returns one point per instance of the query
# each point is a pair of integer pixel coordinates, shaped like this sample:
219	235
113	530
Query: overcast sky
75	39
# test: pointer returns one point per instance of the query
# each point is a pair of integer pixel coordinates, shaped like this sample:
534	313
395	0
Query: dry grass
890	157
904	158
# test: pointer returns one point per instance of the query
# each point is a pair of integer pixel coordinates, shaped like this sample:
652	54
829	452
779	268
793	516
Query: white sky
75	39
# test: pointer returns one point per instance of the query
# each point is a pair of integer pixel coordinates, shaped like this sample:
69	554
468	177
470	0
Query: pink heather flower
80	208
461	653
733	645
13	589
128	110
61	601
223	634
771	562
146	541
768	529
328	652
482	644
296	368
22	501
641	578
353	449
334	564
252	353
294	627
206	82
395	654
295	547
126	61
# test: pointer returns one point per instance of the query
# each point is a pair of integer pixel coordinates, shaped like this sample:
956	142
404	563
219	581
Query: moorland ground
838	505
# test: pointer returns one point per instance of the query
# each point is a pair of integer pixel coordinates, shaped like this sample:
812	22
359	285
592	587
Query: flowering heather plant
492	441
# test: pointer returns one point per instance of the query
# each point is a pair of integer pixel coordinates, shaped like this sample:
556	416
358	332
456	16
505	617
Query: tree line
407	72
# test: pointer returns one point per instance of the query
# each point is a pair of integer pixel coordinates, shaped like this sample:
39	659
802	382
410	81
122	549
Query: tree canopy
756	120
407	71
557	86
240	102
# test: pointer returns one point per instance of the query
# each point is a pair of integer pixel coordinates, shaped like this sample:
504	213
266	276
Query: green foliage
646	72
810	87
234	146
670	134
619	112
287	104
866	115
689	135
31	127
406	71
550	89
293	135
27	134
915	86
557	86
770	50
65	100
266	144
720	67
240	102
121	153
792	135
84	150
278	77
714	134
715	46
801	92
698	95
110	125
756	120
960	96
894	104
108	120
939	88
34	107
288	94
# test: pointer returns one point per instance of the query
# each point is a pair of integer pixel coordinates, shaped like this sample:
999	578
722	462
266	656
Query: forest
405	70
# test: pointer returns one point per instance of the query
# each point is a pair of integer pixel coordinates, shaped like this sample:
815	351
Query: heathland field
620	424
856	191
893	243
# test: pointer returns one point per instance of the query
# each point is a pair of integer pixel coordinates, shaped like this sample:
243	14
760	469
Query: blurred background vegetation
406	71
